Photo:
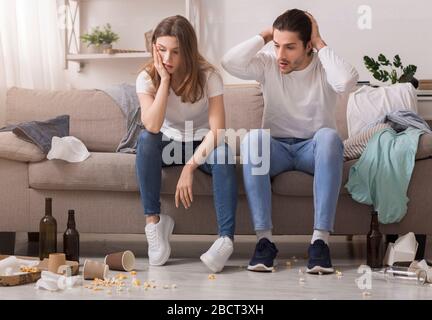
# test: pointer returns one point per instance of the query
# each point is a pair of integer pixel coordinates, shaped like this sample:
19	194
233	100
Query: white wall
398	27
128	18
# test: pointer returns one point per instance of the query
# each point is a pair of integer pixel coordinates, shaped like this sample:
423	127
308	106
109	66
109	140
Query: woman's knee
146	138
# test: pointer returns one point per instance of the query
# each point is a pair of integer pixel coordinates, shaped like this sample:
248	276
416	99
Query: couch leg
33	244
33	236
7	243
390	238
421	239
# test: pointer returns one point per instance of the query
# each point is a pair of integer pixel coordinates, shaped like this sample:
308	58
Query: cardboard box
25	278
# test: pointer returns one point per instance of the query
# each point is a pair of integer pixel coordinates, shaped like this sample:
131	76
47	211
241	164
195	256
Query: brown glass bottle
71	239
47	232
374	244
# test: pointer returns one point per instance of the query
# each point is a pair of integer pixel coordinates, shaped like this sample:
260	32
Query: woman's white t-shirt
184	121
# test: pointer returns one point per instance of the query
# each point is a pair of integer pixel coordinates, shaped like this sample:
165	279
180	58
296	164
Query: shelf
99	56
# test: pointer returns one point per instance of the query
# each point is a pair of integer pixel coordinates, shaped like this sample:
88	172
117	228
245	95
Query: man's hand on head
317	42
267	34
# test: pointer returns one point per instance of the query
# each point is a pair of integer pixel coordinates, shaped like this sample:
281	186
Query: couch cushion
14	148
109	172
244	105
424	149
299	184
95	118
116	172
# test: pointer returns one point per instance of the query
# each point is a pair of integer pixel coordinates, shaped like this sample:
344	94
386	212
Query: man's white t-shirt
184	121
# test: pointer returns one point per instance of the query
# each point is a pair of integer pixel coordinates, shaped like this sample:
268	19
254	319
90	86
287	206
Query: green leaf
383	60
397	61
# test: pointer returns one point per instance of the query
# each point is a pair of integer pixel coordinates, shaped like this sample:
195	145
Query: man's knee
328	136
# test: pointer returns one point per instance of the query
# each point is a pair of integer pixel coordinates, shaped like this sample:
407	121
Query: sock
320	234
264	234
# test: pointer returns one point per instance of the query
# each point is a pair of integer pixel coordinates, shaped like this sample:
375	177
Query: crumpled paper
54	282
404	249
11	265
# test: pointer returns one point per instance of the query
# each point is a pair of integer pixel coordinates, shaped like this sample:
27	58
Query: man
300	88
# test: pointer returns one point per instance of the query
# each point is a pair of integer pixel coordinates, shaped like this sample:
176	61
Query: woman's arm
153	108
213	138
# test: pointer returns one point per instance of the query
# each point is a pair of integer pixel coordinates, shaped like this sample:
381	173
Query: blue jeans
321	156
149	163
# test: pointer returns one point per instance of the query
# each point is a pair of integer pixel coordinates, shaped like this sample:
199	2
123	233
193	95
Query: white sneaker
158	235
218	254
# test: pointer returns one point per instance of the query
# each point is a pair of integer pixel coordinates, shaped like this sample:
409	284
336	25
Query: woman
181	95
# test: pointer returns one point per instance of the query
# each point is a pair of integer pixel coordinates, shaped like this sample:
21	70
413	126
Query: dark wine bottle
374	244
71	239
47	232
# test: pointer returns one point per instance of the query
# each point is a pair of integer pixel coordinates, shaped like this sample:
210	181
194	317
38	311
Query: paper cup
65	270
94	269
55	261
121	261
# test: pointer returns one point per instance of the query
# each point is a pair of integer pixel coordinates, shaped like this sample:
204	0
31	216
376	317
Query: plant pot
105	47
414	82
94	49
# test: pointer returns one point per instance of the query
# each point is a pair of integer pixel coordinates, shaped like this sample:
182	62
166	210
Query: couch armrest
13	148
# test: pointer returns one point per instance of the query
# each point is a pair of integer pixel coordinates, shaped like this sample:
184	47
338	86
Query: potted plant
98	39
395	72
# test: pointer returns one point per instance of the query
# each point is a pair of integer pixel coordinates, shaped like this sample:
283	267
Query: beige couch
103	189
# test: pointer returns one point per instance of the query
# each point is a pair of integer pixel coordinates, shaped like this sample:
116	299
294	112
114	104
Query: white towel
68	148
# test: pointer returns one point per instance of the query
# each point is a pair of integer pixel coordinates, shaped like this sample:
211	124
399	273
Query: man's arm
341	76
244	62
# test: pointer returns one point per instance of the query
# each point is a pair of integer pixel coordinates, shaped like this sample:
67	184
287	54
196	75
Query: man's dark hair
295	20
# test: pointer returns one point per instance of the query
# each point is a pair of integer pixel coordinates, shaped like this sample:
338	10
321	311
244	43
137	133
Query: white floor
185	277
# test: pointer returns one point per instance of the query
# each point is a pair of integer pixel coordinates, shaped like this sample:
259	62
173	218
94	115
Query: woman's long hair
193	64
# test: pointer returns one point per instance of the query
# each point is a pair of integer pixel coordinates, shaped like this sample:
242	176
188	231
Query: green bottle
47	232
71	239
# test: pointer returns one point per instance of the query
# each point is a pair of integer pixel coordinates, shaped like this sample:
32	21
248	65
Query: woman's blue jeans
220	164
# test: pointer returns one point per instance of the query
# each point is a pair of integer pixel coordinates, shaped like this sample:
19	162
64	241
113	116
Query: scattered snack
133	273
212	276
136	283
121	276
29	269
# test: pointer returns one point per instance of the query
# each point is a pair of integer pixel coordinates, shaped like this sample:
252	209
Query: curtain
31	46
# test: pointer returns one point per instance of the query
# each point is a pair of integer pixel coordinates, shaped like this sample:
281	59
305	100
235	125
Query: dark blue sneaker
265	253
319	258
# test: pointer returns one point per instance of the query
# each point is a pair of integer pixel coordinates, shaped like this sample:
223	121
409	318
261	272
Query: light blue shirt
382	174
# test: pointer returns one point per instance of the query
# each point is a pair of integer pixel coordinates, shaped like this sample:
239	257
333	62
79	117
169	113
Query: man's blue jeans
321	156
149	163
